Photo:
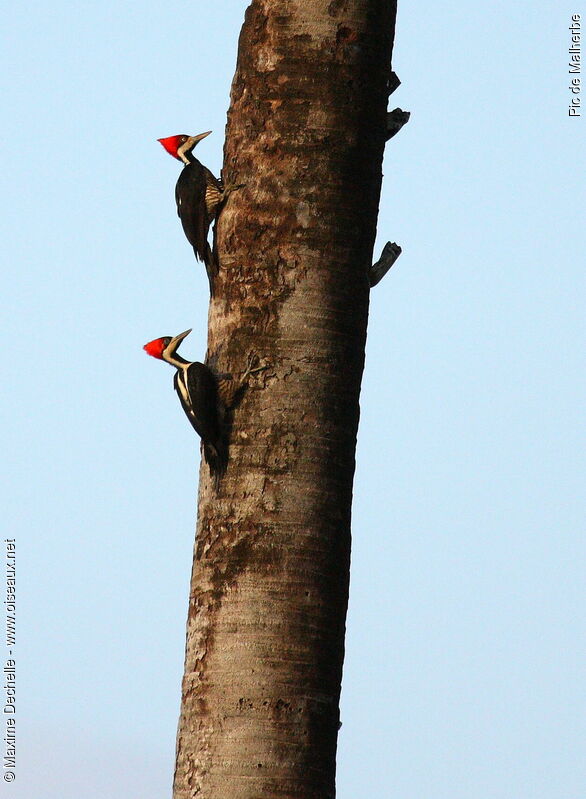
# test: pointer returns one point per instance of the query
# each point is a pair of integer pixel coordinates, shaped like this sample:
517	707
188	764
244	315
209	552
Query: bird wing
190	196
201	403
213	194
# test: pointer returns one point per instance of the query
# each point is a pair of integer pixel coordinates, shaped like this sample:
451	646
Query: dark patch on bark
336	7
228	548
345	35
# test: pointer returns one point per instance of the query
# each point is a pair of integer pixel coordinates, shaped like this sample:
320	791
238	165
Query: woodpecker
393	83
198	195
197	388
389	255
395	121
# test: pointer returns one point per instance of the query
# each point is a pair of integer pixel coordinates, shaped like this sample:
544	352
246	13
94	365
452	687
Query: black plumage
197	389
198	194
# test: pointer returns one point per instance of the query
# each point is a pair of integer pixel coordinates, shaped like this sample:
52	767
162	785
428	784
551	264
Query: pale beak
193	140
171	347
188	146
200	136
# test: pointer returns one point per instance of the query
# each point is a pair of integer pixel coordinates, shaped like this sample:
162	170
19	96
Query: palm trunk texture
269	589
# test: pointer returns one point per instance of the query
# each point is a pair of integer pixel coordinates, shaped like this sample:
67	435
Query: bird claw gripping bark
389	255
227	190
251	369
231	387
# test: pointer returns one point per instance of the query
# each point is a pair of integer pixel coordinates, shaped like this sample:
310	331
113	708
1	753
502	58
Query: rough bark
265	635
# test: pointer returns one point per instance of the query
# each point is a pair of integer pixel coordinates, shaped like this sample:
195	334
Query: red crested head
156	347
178	146
173	143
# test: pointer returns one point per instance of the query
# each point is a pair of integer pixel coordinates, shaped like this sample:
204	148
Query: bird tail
210	260
211	264
216	458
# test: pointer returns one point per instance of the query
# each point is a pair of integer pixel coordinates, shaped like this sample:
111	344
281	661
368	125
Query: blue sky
465	652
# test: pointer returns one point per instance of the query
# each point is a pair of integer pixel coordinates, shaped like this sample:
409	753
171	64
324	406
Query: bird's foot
251	366
232	187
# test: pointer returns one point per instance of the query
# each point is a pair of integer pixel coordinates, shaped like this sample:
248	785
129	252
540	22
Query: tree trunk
265	634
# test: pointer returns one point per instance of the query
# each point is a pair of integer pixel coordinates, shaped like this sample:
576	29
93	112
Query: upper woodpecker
393	83
198	195
197	388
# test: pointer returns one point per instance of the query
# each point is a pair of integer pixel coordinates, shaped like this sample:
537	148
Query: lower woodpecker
197	388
